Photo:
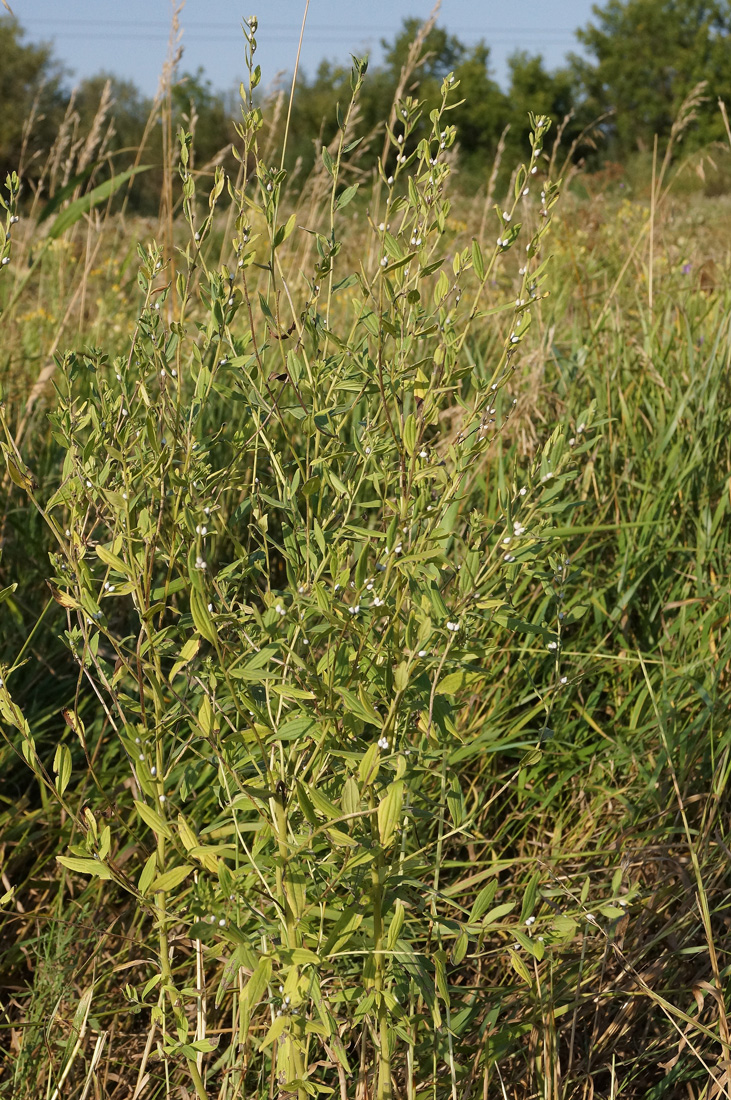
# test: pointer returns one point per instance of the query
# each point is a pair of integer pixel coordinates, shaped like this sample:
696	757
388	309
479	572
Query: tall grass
367	735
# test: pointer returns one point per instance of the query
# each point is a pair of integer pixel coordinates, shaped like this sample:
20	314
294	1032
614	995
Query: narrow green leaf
148	873
346	196
168	880
389	812
85	866
153	819
77	209
62	767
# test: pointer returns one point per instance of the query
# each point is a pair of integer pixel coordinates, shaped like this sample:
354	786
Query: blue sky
130	38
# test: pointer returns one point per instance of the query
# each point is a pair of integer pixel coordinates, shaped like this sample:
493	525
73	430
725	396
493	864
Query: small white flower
231	301
222	923
5	260
564	679
398	549
381	227
454	627
196	236
201	529
506	216
552	645
422	454
383	742
88	483
591	918
280	610
142	756
200	564
384	262
400	139
367	450
377	601
530	921
210	607
525	190
389	180
518	530
162	798
354	609
580	428
269	186
523	491
533	170
422	653
153	770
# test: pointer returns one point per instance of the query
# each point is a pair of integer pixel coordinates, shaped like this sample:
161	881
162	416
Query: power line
336	40
265	29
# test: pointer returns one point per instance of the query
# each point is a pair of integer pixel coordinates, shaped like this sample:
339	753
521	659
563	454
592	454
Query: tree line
640	60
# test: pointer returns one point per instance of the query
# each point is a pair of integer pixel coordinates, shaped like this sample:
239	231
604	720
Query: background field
563	876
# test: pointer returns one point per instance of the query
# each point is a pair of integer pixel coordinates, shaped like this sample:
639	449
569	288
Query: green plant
287	616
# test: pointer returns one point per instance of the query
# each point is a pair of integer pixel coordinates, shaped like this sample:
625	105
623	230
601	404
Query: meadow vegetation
364	662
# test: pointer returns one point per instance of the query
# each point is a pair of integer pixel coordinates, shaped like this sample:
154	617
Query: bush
287	586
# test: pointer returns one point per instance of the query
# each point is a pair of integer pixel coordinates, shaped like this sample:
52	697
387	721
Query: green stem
294	1063
383	1091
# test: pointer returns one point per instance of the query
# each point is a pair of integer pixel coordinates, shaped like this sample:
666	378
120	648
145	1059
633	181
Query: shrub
285	585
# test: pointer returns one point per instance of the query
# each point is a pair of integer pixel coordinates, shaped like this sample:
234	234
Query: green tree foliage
31	84
128	110
645	56
533	88
642	59
206	113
